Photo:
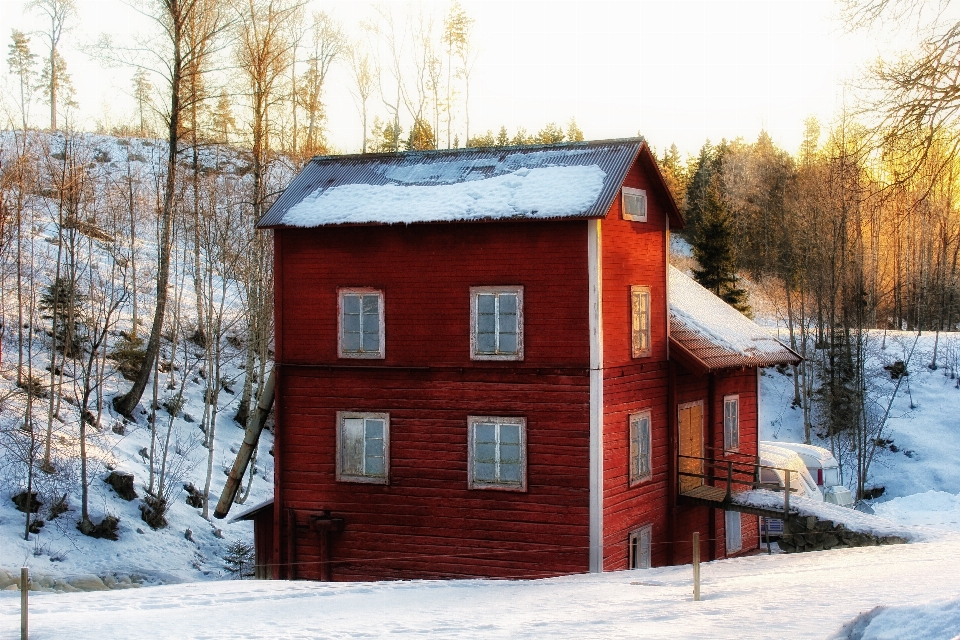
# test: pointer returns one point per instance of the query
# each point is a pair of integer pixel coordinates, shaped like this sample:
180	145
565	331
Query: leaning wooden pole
250	439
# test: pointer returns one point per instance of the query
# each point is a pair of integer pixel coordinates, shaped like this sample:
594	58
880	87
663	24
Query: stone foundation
807	533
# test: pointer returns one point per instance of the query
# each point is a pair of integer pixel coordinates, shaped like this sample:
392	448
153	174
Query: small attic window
634	204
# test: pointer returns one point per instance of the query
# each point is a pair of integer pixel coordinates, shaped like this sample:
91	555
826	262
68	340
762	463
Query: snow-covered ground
811	595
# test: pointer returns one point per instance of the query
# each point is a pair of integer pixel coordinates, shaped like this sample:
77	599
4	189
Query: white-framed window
634	204
639	547
361	330
731	423
497	453
639	321
363	447
733	531
641	463
496	323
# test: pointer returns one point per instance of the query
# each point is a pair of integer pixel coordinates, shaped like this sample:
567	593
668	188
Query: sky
676	71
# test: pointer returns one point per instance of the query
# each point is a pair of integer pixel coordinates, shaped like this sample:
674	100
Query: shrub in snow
128	352
108	528
239	559
153	511
22	499
59	507
122	483
33	386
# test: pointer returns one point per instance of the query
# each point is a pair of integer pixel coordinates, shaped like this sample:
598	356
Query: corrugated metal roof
714	334
427	168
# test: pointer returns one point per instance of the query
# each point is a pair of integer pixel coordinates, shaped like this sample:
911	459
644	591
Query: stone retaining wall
90	582
807	533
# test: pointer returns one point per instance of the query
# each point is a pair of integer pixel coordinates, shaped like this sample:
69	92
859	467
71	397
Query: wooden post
729	481
786	499
696	566
765	523
24	591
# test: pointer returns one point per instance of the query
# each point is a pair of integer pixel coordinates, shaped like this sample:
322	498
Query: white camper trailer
823	468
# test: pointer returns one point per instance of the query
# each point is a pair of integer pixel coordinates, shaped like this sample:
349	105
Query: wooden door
690	424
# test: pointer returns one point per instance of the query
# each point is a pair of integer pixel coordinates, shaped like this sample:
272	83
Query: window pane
351	303
486	343
373	447
374	428
371	342
508	303
374	466
485	432
351	342
509	454
486	303
485	452
508	343
510	433
371	323
351	322
486	323
510	473
371	305
351	443
508	322
484	472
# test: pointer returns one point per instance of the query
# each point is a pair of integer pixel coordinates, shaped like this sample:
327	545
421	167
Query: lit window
731	423
639	547
634	204
640	459
496	317
361	323
363	447
497	456
734	537
640	321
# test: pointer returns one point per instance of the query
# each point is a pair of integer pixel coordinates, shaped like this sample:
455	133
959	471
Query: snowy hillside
917	467
190	547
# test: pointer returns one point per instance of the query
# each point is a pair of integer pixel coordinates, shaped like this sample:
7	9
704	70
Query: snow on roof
249	512
547	192
568	180
716	334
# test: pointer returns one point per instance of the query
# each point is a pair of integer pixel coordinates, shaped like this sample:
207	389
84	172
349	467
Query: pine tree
421	136
674	174
21	61
503	138
484	140
574	134
550	134
714	250
695	199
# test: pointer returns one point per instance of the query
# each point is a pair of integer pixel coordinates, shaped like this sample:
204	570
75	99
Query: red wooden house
481	371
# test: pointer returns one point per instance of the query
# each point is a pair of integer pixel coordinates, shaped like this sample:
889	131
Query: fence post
696	566
786	499
729	480
24	590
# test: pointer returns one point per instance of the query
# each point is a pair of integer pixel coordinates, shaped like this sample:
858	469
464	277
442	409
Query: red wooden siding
425	273
691	388
634	254
426	523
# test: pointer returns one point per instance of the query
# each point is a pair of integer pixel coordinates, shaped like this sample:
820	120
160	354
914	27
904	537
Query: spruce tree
713	248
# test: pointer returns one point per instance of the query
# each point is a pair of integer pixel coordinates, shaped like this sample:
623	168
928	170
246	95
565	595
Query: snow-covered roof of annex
539	182
713	335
